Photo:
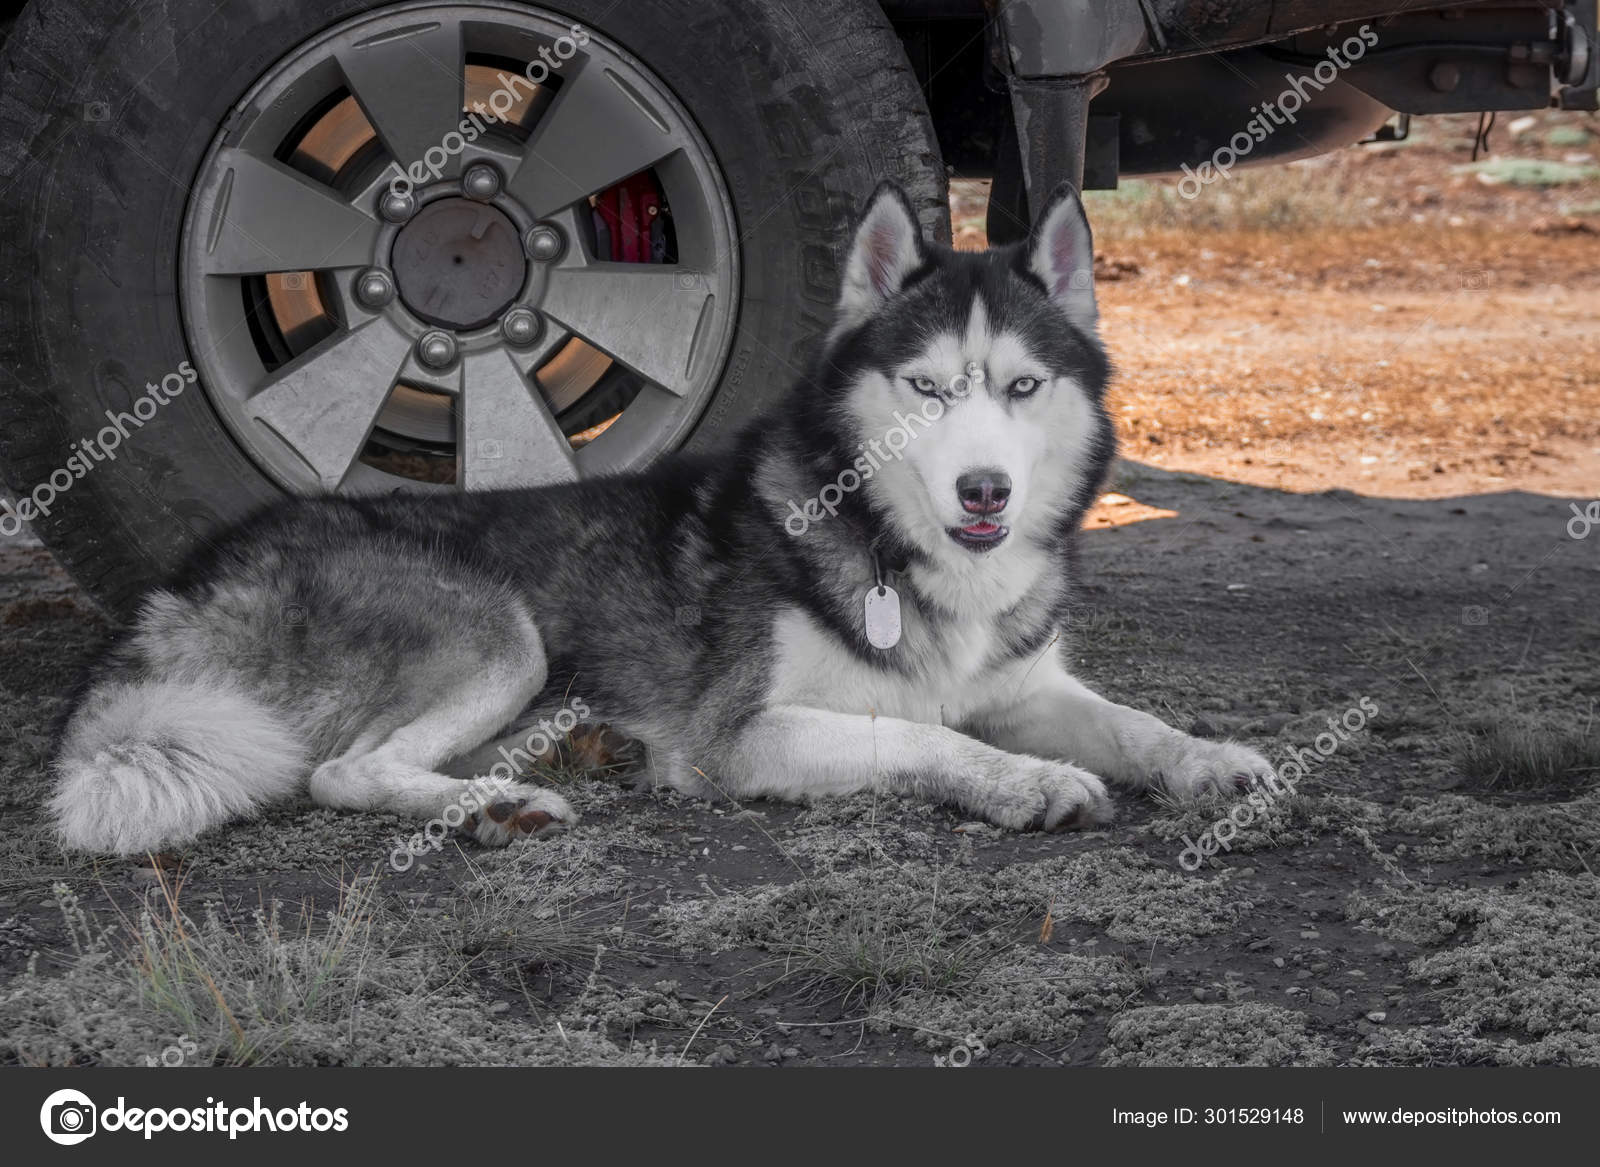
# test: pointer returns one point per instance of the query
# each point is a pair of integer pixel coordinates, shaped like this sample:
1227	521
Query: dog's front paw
519	811
1202	768
1008	795
1075	799
1032	792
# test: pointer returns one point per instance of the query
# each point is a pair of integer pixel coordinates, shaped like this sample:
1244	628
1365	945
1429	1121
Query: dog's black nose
984	492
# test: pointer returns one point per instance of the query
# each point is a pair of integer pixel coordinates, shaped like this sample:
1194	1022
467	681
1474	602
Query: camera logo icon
68	1117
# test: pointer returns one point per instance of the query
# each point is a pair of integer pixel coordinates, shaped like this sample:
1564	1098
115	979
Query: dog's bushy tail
148	763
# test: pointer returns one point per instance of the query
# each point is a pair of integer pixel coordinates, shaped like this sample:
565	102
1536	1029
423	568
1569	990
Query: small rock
500	1007
790	1051
1377	1017
1198	994
1384	949
1259	945
773	1054
1322	996
1310	934
1277	961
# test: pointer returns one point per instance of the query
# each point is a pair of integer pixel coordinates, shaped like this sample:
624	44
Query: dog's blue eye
1023	386
924	385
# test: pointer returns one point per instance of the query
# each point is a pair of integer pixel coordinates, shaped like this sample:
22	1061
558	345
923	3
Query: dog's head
975	379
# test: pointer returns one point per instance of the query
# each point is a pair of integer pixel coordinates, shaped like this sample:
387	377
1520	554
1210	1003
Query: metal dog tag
883	616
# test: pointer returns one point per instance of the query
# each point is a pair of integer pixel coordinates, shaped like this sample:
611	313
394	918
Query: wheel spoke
651	318
410	83
508	437
599	130
323	403
262	216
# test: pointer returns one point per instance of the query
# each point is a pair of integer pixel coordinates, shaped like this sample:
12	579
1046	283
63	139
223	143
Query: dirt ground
1359	400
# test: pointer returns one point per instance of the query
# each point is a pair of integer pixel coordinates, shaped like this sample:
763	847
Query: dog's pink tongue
983	528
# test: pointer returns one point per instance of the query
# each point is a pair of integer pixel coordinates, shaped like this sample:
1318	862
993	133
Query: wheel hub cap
459	263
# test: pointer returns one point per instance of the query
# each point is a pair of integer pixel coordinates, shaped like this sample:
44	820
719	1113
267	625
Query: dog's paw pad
519	816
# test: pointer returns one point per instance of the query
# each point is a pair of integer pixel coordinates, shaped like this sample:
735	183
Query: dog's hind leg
1056	716
396	769
791	751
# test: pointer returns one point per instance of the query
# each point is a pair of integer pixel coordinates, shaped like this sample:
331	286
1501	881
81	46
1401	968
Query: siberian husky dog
870	592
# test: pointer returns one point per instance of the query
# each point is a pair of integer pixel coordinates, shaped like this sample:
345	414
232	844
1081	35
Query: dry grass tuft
870	960
1525	757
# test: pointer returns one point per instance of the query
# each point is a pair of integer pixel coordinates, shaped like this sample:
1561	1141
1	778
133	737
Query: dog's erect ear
1061	254
887	248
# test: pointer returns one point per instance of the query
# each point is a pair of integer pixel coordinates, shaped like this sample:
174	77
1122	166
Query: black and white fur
357	649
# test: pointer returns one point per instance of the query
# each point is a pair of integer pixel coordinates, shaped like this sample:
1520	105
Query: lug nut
521	326
481	182
374	288
397	205
436	349
543	242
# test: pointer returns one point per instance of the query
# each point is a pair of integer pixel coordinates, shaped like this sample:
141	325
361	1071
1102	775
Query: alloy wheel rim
359	331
